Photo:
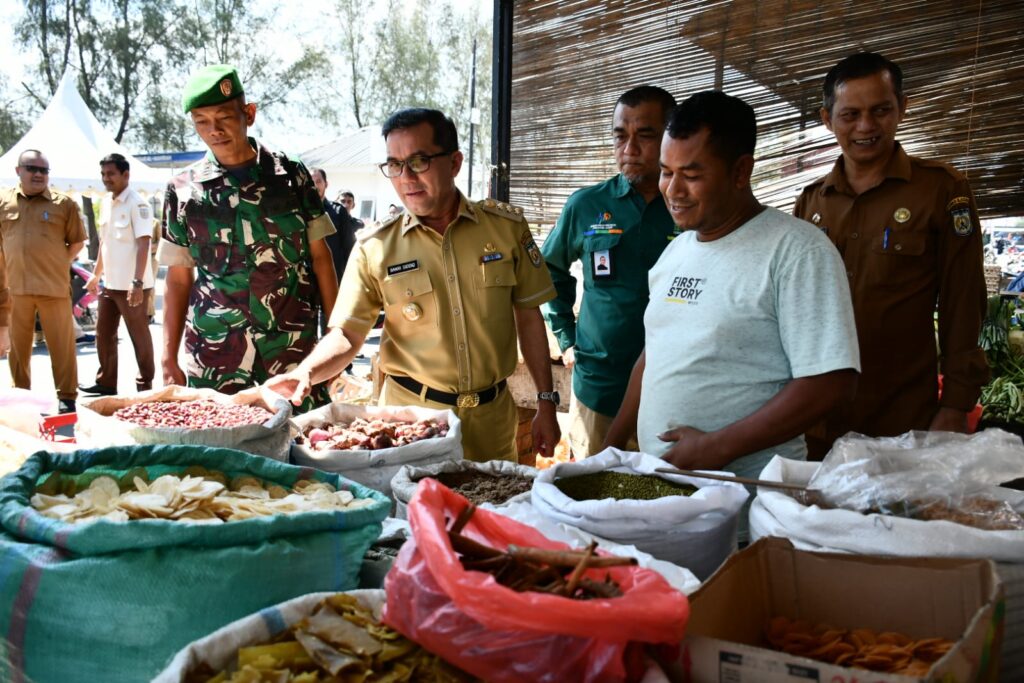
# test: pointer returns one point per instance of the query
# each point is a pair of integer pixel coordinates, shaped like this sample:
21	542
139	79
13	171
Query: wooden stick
567	558
600	588
463	519
738	480
467	546
577	572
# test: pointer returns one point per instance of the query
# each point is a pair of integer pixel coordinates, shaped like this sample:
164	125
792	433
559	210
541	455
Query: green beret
212	84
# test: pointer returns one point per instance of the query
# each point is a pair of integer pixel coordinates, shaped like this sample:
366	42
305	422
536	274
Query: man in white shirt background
125	229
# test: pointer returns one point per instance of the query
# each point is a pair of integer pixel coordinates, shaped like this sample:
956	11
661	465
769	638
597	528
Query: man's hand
693	449
545	430
135	296
173	373
93	284
5	341
949	420
294	386
569	357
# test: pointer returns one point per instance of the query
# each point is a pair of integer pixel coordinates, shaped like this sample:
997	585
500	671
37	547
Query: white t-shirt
123	219
732	321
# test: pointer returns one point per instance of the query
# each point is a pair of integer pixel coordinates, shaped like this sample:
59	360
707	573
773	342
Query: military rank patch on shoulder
144	212
531	249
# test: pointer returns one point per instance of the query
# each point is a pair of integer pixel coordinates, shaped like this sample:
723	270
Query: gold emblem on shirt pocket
407	293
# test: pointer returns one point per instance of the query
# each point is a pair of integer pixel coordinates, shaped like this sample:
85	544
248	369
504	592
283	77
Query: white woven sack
404	484
376	468
697	532
97	428
774	513
219	648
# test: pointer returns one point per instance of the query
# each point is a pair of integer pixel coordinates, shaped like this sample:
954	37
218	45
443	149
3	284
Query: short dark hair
858	66
349	195
634	97
117	160
445	135
731	123
36	152
316	169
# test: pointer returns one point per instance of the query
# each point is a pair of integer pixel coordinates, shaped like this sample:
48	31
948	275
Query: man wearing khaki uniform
40	234
458	281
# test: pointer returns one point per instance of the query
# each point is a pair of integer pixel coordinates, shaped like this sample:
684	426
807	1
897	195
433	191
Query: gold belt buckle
467	400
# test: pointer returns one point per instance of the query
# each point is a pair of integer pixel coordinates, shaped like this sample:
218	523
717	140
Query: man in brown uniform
40	234
457	280
908	231
5	310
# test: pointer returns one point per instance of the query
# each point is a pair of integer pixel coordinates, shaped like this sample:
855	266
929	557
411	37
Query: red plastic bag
500	635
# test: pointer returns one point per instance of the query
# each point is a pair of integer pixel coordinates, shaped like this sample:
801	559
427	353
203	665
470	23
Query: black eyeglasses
36	169
418	163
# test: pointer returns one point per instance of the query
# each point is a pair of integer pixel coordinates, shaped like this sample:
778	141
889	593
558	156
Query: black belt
467	400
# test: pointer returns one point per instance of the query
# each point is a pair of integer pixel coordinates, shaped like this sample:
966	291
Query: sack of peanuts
116	558
252	421
369	444
497	599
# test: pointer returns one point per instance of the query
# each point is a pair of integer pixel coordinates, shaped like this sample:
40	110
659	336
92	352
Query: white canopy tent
74	142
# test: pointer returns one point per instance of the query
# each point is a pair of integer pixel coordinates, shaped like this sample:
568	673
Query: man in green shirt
617	229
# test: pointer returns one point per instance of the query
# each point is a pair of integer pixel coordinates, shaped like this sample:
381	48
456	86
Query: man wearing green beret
243	232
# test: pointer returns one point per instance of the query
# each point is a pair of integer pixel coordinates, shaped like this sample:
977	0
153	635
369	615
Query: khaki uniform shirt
448	301
34	236
910	243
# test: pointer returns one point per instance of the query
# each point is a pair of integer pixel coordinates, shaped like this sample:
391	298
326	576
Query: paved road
88	363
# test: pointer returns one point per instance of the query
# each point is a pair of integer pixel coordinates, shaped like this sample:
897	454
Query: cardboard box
961	600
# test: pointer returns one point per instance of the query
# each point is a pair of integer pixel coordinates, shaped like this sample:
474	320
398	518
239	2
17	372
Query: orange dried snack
888	652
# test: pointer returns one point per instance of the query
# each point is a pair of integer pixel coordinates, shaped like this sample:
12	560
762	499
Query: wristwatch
137	283
549	396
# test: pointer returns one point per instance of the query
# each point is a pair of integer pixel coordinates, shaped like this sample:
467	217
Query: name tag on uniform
403	267
487	258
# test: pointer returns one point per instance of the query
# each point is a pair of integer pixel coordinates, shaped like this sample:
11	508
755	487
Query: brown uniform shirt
34	236
5	295
448	301
909	243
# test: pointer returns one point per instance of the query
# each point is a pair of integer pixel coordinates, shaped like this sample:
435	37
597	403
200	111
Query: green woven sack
113	601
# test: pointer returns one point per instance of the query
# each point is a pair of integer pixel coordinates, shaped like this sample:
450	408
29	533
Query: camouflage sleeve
173	225
309	200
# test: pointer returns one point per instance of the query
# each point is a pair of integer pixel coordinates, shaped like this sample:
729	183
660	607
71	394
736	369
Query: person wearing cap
907	229
41	232
458	281
243	228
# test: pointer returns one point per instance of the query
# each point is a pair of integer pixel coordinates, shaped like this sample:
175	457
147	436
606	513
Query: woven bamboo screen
963	62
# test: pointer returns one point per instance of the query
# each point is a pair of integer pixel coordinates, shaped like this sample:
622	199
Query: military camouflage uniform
252	313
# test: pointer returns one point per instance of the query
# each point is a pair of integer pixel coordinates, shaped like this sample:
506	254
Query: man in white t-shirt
125	229
750	336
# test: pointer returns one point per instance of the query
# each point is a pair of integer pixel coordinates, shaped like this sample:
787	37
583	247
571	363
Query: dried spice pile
340	641
620	486
371	435
481	487
863	648
559	572
197	496
201	414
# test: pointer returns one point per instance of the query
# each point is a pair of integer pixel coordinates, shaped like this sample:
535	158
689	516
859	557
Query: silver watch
549	396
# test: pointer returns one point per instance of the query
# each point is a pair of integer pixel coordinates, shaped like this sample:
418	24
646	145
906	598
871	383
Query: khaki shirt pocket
409	300
497	284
